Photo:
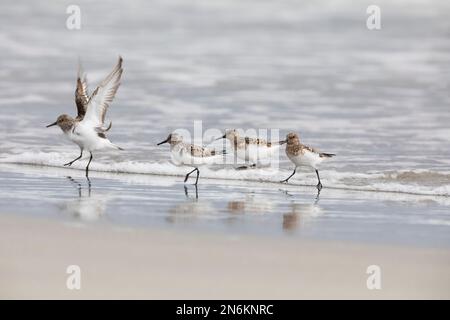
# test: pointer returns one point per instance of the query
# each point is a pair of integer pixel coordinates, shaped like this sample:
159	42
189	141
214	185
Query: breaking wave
420	182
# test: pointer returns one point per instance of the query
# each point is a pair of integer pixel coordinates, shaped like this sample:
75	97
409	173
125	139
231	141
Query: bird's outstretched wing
81	93
102	96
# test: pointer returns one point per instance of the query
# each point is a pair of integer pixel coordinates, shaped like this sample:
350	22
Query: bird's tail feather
326	155
114	146
118	148
219	152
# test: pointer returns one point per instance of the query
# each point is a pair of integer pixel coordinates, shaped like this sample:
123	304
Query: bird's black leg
77	183
319	185
87	167
187	176
68	164
287	179
89	185
187	194
317	197
196	180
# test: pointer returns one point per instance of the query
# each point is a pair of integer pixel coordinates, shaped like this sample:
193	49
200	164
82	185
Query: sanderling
250	149
87	129
302	155
189	154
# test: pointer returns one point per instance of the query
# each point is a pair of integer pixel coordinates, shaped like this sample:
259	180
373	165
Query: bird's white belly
87	138
177	156
183	157
309	159
75	138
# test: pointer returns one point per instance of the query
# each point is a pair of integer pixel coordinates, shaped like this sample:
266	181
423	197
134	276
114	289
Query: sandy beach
155	264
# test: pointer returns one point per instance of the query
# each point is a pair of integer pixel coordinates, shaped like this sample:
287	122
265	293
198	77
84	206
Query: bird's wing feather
102	96
202	152
311	149
256	141
81	93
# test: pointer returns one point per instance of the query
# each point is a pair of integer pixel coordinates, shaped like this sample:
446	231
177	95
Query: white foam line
268	175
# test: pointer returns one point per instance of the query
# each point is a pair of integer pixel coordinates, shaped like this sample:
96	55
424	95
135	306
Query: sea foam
420	182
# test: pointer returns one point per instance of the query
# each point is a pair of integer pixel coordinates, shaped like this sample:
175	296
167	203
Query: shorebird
302	155
189	154
87	129
250	149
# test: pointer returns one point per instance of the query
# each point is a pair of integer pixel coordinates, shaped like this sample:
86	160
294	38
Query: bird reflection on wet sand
251	204
86	207
300	214
186	191
78	184
291	195
191	209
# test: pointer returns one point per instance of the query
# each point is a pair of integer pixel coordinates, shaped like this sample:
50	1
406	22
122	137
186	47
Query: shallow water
230	207
378	99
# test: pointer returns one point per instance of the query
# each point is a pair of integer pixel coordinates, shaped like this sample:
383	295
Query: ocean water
378	99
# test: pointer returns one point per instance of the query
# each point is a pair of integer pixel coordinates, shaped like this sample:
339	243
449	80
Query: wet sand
163	264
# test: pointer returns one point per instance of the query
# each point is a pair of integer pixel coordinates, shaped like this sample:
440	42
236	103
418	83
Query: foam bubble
420	182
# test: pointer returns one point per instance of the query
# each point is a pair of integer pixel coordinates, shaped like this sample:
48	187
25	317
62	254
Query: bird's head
230	134
172	139
64	121
292	138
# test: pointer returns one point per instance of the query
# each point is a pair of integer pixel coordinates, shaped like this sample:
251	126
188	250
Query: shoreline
244	180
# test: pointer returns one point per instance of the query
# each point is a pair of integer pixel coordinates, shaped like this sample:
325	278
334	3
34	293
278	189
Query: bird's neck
175	144
235	140
67	126
293	145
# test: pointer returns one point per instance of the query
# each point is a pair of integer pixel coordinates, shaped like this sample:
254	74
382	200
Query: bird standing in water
302	155
251	150
190	154
87	130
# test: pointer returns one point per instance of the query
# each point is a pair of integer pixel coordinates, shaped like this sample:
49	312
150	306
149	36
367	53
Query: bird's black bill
51	125
222	137
282	142
165	141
